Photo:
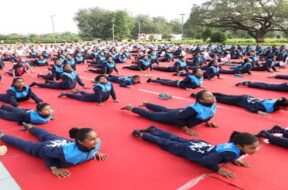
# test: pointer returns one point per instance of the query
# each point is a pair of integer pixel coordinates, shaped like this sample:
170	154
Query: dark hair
135	76
79	134
98	77
15	80
41	106
194	71
242	139
246	60
282	102
199	95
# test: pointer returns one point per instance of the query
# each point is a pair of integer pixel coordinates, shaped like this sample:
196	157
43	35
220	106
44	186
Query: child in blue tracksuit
69	80
280	141
42	114
283	87
59	152
125	81
41	61
33	54
142	65
252	104
191	81
56	71
244	68
79	59
269	65
185	118
283	77
107	67
70	61
212	70
18	92
121	58
178	66
102	92
201	152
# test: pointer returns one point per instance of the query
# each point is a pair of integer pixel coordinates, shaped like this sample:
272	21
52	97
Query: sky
34	16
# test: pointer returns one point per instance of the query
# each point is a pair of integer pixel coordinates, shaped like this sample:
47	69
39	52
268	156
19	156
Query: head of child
245	142
85	137
57	62
136	78
181	58
145	57
205	97
247	60
68	68
44	109
282	104
69	57
109	59
198	72
18	83
101	79
41	57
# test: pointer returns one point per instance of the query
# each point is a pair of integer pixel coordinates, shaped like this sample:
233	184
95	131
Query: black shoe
150	129
61	94
136	133
276	129
33	84
244	83
148	80
263	134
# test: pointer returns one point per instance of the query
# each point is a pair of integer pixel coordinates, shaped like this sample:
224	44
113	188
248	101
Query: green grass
236	41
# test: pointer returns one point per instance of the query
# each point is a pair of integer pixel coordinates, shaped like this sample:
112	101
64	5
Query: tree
94	23
206	34
256	17
123	25
219	37
175	26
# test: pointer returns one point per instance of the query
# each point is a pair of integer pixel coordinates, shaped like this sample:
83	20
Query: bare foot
3	150
26	126
143	104
129	107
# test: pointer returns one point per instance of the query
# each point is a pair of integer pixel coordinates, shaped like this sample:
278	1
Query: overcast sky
34	16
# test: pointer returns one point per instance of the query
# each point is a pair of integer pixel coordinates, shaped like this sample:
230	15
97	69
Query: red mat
134	164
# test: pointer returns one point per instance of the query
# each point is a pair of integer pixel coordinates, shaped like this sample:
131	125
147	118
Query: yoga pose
252	104
191	81
59	152
19	92
201	152
265	86
185	118
269	134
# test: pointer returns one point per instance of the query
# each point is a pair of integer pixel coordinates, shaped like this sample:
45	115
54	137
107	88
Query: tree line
240	19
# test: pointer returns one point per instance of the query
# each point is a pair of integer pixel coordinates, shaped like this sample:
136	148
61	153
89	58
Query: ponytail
242	139
79	134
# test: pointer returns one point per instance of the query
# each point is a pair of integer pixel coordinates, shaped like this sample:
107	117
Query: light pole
113	36
182	25
53	27
139	27
139	30
52	21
